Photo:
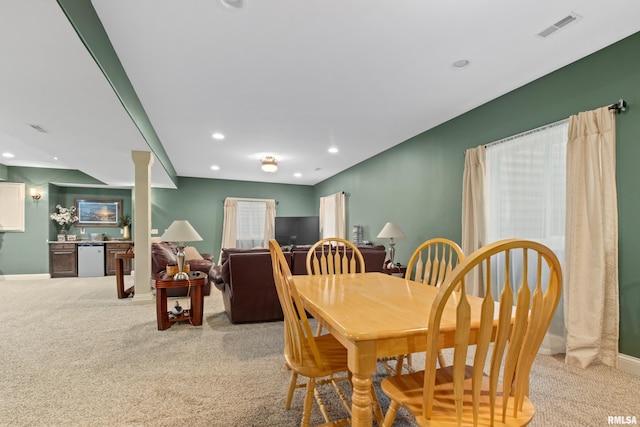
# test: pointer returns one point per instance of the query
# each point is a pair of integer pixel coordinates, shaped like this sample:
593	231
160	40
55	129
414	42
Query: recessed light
333	150
8	155
461	63
215	168
297	174
217	136
233	4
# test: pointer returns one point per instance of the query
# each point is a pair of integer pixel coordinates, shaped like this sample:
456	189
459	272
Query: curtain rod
530	131
619	106
248	199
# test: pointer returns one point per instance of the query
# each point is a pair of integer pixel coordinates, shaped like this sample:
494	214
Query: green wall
418	184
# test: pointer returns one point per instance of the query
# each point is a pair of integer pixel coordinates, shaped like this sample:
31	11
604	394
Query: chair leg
377	410
308	403
391	414
441	360
292	387
399	362
321	404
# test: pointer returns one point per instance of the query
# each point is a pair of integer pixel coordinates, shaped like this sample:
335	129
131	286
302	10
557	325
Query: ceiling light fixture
269	164
8	155
215	168
333	150
217	136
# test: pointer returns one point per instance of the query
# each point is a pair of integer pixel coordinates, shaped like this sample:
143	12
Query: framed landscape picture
98	212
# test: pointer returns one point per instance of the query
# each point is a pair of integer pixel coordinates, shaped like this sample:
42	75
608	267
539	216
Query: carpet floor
74	355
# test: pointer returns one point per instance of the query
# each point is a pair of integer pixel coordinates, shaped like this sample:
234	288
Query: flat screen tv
297	230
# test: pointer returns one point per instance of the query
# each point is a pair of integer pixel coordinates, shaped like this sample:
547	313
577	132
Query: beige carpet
73	354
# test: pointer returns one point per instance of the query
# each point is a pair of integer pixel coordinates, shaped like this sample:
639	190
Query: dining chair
495	345
433	260
319	358
430	264
334	255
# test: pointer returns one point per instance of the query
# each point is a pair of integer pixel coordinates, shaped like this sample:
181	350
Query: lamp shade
181	230
391	230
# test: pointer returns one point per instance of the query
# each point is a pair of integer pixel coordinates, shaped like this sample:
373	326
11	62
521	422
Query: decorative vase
125	233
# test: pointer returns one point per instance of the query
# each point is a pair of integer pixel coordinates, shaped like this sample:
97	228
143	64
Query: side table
193	315
395	270
120	258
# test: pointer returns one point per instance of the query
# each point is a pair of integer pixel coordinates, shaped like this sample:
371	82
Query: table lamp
391	230
181	231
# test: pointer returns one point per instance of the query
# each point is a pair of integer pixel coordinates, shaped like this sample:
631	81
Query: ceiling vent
573	17
39	128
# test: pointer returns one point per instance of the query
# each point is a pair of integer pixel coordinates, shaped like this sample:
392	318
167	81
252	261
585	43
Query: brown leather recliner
245	277
165	253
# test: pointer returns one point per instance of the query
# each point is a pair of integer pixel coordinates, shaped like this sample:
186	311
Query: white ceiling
287	78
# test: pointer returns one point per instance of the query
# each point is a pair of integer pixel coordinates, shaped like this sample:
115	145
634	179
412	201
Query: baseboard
629	364
24	277
552	344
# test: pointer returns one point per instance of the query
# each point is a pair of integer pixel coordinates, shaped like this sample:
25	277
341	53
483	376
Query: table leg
362	364
122	293
197	305
161	309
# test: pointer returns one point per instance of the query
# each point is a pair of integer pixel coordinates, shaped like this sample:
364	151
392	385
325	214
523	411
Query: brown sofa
245	277
164	253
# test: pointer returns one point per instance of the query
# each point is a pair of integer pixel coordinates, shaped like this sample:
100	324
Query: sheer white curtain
591	273
248	223
333	216
526	181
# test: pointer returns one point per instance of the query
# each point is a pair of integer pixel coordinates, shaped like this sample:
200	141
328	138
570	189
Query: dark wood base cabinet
63	260
111	250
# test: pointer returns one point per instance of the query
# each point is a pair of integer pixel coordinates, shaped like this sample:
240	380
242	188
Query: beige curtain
269	221
474	210
591	259
229	225
333	216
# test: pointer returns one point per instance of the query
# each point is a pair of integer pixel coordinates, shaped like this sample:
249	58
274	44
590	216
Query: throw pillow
191	253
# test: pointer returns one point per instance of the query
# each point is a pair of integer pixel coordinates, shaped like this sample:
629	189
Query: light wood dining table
375	315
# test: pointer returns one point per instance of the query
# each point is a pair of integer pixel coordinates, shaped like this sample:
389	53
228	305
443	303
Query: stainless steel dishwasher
90	260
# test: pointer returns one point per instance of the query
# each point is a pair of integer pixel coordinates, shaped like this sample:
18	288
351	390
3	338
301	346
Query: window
248	223
250	226
526	186
526	182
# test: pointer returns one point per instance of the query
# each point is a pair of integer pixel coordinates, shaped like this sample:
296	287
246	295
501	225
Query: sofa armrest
217	278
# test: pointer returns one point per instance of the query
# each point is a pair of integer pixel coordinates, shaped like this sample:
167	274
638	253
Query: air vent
573	17
39	128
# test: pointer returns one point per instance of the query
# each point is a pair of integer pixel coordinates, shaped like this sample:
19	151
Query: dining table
375	315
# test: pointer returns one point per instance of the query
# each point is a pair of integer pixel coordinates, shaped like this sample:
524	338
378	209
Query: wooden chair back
334	256
300	348
433	260
495	384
